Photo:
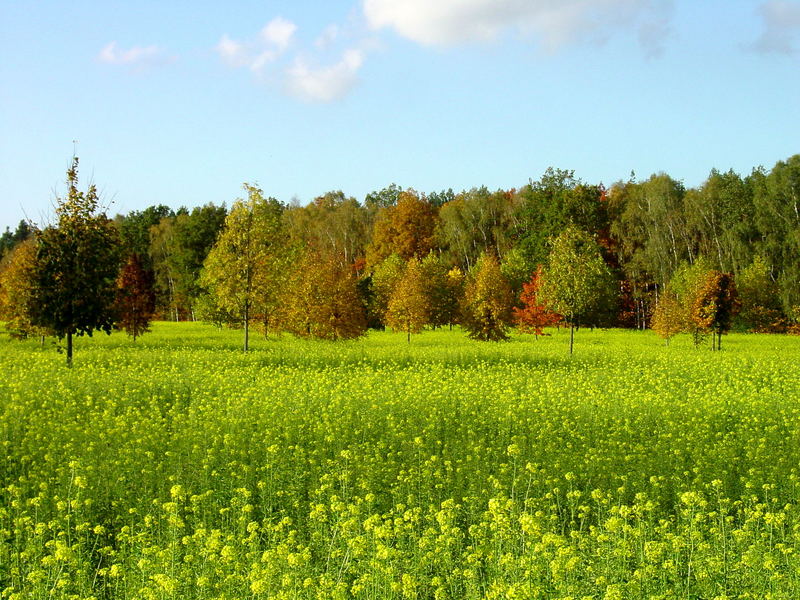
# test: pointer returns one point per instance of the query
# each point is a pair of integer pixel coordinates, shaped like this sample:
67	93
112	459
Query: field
179	467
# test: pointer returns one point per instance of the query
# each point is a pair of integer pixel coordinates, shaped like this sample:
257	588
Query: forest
636	254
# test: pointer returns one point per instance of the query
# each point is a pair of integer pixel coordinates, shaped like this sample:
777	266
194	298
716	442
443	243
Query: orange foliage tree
534	316
405	229
409	308
486	313
715	305
321	299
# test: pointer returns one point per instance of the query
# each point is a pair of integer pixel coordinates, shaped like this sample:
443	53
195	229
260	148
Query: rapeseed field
180	467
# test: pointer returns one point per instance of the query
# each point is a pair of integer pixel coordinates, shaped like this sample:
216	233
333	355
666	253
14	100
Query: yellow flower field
180	467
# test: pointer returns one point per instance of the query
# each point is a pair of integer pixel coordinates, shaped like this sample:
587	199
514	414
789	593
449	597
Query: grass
179	467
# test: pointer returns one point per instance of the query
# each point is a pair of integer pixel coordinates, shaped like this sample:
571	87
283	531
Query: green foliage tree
384	279
477	221
9	239
333	223
240	272
136	299
761	310
77	262
443	289
409	304
577	280
486	313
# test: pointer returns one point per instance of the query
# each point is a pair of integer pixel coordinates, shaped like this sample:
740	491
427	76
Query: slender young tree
409	308
716	305
77	262
136	298
239	272
576	280
534	316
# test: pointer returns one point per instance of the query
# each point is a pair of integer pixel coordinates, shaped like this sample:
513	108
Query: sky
180	103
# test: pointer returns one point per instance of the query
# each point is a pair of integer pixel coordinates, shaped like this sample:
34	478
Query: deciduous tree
16	289
534	315
486	313
576	280
239	272
409	307
716	305
77	262
136	298
321	299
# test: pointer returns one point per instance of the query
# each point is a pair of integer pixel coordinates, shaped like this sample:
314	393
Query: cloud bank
781	27
553	22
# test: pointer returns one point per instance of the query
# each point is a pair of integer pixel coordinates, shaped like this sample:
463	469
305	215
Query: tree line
555	251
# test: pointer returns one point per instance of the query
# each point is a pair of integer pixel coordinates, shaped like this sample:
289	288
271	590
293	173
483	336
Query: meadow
180	467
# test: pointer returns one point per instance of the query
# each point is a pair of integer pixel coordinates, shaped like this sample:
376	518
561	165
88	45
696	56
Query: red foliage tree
533	317
136	298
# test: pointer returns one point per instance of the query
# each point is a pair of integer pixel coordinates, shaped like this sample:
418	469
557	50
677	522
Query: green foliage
486	312
380	469
242	273
576	281
760	297
76	267
384	279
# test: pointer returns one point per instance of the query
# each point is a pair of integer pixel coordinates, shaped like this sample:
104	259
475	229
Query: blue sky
180	102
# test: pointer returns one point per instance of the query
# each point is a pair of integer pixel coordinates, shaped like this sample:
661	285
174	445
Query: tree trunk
69	348
408	336
246	327
719	340
571	337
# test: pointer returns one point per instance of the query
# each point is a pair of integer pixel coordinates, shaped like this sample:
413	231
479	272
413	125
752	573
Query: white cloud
325	84
553	22
271	43
278	33
136	57
781	27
